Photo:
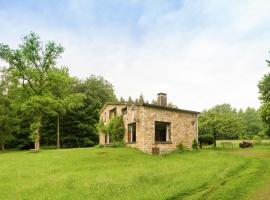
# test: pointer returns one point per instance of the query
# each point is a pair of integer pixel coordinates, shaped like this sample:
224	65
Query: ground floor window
132	133
107	139
162	131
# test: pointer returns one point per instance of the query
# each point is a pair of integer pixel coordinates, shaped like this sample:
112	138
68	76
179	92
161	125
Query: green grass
123	173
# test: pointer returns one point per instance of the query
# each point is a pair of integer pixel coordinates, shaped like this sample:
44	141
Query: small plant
195	144
180	146
100	146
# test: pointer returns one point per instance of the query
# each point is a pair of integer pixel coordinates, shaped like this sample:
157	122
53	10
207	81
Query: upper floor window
162	131
112	113
124	111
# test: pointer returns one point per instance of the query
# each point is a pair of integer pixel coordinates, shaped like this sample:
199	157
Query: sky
200	52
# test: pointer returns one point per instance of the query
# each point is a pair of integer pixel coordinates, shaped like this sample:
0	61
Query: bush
257	139
180	146
119	144
195	144
70	142
88	143
115	128
206	140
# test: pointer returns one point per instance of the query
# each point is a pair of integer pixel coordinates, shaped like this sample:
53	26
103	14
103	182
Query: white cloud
201	54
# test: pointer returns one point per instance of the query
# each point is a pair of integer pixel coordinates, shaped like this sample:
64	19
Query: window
162	131
124	111
107	139
104	117
112	113
132	133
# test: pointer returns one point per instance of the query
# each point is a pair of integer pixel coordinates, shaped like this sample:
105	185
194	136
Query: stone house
153	128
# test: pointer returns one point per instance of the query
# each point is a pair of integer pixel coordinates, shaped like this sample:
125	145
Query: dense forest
41	103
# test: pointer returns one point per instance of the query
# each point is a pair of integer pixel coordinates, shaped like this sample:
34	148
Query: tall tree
65	99
8	121
79	125
32	66
251	121
264	90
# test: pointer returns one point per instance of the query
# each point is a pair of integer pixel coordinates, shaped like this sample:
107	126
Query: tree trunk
58	132
37	140
3	146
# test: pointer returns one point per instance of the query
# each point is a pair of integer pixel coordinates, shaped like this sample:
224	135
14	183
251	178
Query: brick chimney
162	99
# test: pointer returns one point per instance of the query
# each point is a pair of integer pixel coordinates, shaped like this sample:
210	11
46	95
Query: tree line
41	103
225	122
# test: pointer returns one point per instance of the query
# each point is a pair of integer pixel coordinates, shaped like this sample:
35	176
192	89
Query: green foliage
116	129
32	68
252	124
257	139
8	119
220	121
264	90
180	146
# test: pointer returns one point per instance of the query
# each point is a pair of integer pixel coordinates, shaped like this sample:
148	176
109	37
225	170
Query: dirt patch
102	153
263	193
254	154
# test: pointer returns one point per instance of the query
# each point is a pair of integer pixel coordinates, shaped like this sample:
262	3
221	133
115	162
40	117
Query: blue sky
200	52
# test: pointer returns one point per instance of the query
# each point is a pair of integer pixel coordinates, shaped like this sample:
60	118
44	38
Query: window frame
131	134
167	134
112	113
124	111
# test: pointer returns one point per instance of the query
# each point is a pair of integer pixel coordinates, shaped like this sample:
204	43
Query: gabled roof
147	105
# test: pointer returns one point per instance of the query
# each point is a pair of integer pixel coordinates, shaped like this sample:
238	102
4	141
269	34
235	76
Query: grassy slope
108	173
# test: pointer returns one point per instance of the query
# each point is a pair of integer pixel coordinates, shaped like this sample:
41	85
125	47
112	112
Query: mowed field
124	173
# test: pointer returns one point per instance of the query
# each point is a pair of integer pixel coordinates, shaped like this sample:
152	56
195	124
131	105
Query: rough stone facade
182	125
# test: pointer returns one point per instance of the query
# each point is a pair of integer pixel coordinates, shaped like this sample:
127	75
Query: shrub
70	142
115	128
119	144
206	139
195	144
88	143
180	146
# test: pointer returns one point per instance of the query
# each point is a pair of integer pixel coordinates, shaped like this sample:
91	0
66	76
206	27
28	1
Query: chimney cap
162	93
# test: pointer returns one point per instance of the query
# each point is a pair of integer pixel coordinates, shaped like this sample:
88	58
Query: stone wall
183	128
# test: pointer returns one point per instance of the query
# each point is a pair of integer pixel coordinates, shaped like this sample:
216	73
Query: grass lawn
123	173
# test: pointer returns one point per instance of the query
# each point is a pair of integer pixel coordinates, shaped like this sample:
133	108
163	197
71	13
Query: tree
264	90
8	121
69	102
141	99
32	66
251	121
65	99
221	121
79	125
